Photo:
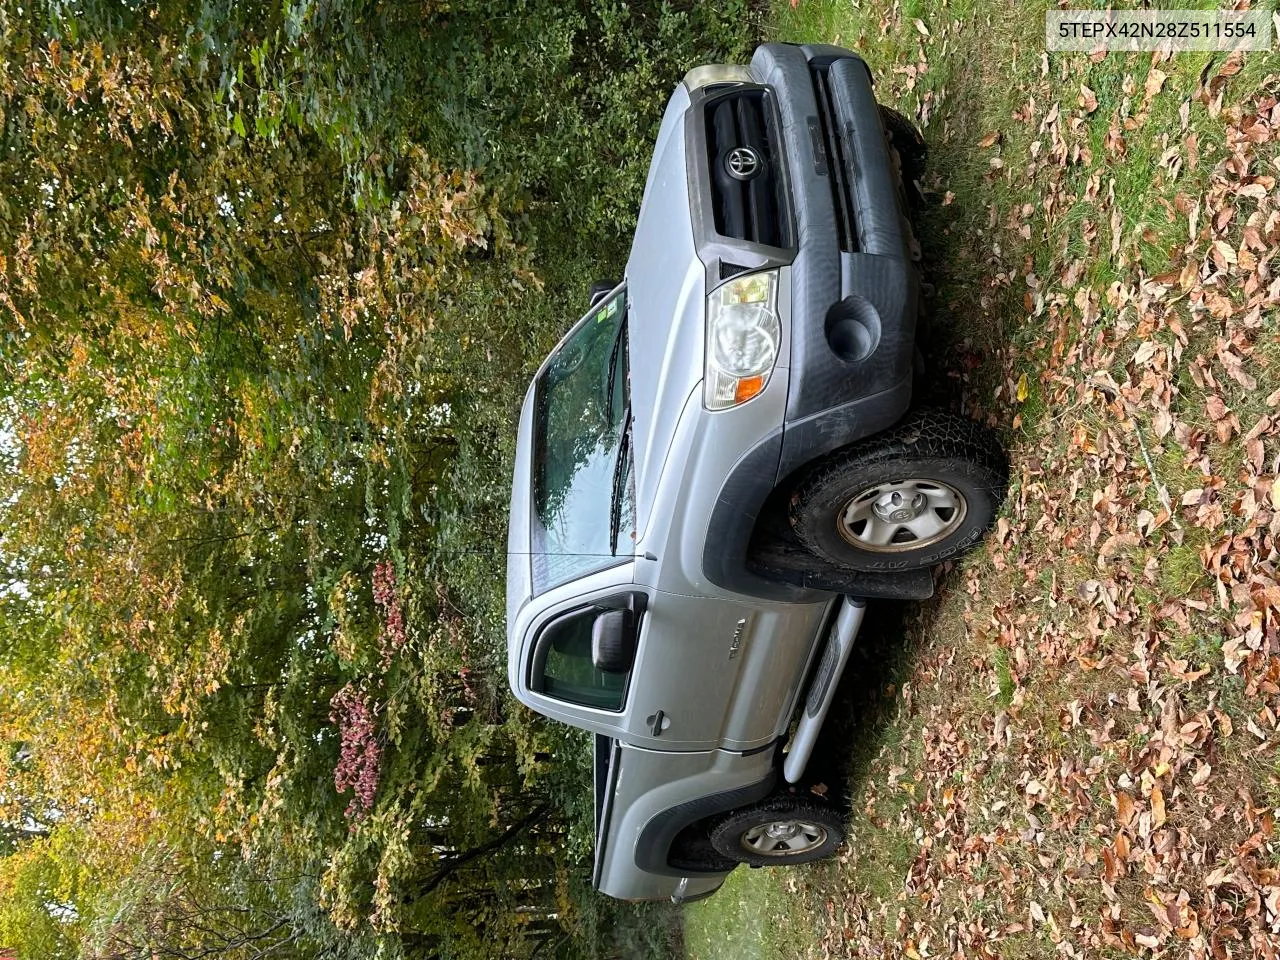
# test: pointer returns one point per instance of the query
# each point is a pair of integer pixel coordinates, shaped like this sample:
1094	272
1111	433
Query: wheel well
771	523
657	838
775	553
691	848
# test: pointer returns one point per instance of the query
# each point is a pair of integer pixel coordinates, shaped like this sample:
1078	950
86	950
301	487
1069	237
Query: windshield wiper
618	496
615	356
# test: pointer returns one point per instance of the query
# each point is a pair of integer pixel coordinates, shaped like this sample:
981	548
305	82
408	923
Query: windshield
581	465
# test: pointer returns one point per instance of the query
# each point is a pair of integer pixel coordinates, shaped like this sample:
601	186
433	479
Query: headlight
743	333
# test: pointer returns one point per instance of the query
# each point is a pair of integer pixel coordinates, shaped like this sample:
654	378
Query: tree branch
452	865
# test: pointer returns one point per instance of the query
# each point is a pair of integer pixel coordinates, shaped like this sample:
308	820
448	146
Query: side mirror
600	289
613	641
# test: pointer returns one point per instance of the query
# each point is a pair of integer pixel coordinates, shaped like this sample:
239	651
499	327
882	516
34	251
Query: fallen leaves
1154	83
1118	792
1088	100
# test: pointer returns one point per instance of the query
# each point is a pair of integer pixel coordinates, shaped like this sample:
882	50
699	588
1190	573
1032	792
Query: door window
562	666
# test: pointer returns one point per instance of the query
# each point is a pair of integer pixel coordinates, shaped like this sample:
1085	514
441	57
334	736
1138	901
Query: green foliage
39	900
272	281
561	100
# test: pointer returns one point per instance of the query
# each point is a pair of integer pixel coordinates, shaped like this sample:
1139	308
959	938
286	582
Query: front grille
838	172
749	209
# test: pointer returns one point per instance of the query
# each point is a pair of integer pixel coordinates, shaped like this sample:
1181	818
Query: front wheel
780	831
905	500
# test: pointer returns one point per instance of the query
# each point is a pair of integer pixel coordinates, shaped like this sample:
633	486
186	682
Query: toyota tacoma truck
721	463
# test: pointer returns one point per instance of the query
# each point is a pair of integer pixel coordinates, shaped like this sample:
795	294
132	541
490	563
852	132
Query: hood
666	306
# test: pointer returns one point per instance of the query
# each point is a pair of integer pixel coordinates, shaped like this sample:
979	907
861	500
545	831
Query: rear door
605	770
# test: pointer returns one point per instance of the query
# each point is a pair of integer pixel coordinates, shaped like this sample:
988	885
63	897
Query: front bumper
854	285
854	282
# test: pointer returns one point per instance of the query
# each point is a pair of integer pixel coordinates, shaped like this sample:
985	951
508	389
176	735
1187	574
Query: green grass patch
1181	570
749	919
1004	677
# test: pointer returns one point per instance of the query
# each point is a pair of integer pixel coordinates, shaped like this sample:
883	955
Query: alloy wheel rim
900	515
784	838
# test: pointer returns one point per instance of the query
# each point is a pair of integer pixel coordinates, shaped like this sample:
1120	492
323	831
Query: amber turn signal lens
747	388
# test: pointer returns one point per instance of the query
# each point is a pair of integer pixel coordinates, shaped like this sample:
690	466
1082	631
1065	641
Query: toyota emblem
743	163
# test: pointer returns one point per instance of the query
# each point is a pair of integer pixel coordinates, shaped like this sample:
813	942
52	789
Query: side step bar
823	688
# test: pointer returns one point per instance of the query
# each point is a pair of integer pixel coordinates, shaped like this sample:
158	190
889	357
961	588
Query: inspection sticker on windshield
608	310
1167	30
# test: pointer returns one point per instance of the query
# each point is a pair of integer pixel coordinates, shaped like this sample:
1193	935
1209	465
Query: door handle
654	720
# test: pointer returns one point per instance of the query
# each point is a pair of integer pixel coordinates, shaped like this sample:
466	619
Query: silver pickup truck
721	463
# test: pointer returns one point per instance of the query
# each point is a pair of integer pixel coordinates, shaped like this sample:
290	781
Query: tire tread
932	434
907	140
725	835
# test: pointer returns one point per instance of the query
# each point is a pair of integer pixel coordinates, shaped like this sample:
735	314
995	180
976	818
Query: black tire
913	152
844	505
739	835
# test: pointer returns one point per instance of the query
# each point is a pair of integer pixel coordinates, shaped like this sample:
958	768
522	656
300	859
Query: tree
263	329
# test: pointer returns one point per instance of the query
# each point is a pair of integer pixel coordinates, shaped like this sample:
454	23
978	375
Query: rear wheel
906	500
779	831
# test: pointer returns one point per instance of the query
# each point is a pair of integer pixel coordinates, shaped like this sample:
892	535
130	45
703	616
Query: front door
686	671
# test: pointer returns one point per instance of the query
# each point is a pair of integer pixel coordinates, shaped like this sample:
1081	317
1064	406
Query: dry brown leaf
1232	66
1124	807
1088	100
1122	848
1155	82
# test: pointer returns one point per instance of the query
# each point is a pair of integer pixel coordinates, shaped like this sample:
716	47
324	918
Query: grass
983	743
1181	570
748	919
1004	677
